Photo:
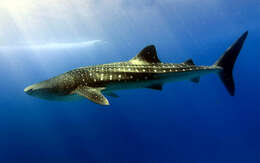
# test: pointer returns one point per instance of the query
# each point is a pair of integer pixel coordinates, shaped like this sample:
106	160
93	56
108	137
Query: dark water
186	122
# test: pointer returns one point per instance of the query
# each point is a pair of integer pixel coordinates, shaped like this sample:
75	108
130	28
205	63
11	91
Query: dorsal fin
189	62
146	56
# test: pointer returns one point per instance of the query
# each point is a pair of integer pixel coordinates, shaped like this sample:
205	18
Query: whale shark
145	70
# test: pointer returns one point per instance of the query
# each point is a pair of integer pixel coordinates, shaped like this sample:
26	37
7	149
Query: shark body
145	70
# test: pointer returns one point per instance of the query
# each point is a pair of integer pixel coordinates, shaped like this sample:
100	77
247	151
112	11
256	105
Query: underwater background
183	123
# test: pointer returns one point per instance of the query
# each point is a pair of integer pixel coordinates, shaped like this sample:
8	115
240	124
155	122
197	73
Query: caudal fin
227	61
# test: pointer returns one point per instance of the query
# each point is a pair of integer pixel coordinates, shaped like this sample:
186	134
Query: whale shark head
53	89
41	90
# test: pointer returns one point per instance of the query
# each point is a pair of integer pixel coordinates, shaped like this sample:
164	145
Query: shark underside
145	70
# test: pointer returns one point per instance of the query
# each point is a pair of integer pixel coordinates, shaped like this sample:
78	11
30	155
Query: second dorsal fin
146	56
189	62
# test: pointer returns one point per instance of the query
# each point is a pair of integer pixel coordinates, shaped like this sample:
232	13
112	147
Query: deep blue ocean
184	123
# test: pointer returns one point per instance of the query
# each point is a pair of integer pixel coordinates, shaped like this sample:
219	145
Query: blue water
184	123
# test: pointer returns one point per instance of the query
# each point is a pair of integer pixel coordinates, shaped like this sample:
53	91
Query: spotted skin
125	73
114	76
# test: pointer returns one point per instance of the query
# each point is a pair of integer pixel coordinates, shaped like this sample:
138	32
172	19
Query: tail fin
227	61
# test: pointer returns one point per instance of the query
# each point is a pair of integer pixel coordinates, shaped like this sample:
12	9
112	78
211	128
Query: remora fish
145	70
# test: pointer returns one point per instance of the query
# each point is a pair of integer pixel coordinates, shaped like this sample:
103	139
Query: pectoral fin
93	94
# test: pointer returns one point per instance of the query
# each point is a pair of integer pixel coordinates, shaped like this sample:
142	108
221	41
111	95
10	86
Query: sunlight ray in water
32	27
49	46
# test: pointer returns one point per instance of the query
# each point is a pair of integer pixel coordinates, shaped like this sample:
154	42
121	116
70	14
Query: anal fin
93	94
111	94
195	80
155	87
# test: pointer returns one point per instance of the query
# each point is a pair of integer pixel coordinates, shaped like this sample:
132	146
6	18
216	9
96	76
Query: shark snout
37	89
29	90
